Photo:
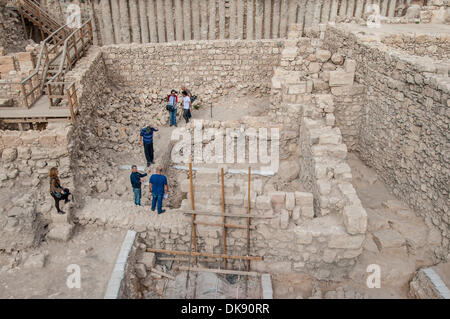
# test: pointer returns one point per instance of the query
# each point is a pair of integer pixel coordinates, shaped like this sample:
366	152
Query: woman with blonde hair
56	190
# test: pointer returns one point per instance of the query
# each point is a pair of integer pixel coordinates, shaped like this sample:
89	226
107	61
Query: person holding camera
172	101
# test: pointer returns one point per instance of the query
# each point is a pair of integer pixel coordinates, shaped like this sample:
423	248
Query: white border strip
112	290
437	282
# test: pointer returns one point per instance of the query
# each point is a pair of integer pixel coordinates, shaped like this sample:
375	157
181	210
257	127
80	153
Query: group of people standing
186	103
158	186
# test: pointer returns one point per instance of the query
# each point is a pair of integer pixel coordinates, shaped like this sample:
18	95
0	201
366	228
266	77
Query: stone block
341	78
323	55
388	238
345	241
148	259
35	260
60	232
284	219
9	155
290	201
302	236
350	66
355	219
141	271
263	202
277	199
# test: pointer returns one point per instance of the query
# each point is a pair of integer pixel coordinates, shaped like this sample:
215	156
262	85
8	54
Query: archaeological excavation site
309	160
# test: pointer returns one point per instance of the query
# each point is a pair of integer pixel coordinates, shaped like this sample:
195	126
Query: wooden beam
187	253
219	271
178	259
224	228
191	184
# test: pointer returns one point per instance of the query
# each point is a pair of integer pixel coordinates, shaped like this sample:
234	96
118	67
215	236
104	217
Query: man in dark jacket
146	139
136	181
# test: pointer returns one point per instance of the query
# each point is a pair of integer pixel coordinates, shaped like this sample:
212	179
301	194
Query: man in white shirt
187	106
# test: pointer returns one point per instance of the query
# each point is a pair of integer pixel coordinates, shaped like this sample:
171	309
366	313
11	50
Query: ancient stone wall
403	122
26	158
142	21
208	69
434	46
92	84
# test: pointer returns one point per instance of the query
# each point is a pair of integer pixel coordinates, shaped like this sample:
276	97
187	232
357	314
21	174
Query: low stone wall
26	158
402	123
209	69
435	46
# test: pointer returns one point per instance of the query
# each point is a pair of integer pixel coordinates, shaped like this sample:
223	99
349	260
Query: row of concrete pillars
142	21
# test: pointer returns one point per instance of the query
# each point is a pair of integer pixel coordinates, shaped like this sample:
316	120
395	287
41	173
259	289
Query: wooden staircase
30	10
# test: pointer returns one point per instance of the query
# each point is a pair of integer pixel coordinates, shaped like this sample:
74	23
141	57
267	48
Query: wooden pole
72	114
193	208
248	221
190	253
224	229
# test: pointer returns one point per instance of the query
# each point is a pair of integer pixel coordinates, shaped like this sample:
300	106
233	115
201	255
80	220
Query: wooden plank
193	209
178	259
187	253
224	228
219	271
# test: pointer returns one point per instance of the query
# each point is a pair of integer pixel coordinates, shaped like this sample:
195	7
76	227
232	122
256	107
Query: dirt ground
93	249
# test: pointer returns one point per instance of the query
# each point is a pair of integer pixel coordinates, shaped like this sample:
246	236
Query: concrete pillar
384	8
221	19
116	19
233	22
317	10
187	20
359	9
151	18
124	22
391	8
368	3
267	18
276	19
134	20
160	19
204	19
309	15
212	20
325	11
196	19
143	20
170	32
350	8
343	8
107	23
292	12
301	12
259	11
240	19
178	20
283	18
250	16
333	10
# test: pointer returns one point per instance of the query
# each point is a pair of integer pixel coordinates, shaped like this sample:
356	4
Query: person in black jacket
136	181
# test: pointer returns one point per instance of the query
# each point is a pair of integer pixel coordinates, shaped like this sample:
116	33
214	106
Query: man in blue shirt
136	180
158	187
146	139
